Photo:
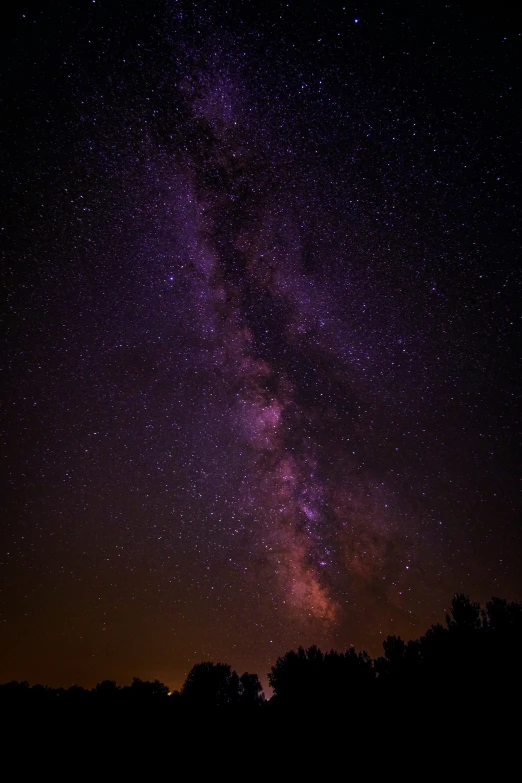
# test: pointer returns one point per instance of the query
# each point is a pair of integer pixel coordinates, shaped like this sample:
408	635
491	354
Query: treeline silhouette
470	662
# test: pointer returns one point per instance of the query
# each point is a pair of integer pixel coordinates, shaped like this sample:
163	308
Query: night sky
261	329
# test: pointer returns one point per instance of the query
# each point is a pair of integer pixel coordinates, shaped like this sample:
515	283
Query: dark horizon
474	643
261	339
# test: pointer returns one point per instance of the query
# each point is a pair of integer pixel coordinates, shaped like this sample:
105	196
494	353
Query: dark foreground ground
374	740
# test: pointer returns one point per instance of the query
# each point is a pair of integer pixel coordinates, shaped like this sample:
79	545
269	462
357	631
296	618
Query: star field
262	329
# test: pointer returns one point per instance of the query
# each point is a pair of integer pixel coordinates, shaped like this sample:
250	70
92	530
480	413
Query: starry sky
261	329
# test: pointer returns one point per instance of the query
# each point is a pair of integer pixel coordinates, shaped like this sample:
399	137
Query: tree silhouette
107	689
466	667
146	689
76	694
504	618
394	649
465	614
250	691
311	676
211	685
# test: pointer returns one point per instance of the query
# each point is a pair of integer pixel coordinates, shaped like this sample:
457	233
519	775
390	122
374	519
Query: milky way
261	329
268	338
